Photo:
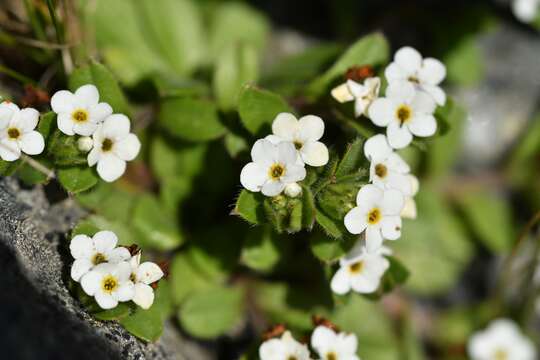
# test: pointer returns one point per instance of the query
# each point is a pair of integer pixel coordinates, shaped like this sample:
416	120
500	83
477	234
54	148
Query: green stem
34	21
50	6
17	76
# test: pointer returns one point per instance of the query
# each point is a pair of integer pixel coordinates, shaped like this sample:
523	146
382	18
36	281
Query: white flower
89	252
113	146
387	169
109	284
293	190
304	134
17	132
85	143
502	340
525	10
284	348
362	94
360	271
425	74
142	275
79	112
329	345
273	167
405	112
377	213
409	209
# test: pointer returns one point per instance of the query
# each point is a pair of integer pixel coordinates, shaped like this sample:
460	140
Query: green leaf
235	144
64	151
103	79
85	227
191	119
490	217
120	311
261	249
211	312
94	223
8	168
109	200
249	206
186	278
47	123
258	108
329	249
353	159
148	324
172	159
77	178
331	227
370	50
396	275
32	176
157	228
237	65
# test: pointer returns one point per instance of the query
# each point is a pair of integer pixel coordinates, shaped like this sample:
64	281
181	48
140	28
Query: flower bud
85	143
293	190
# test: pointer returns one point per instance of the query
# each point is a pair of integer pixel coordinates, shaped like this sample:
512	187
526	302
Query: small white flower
284	348
362	94
409	209
109	284
360	271
293	190
142	275
525	10
17	132
89	252
377	213
304	134
85	143
404	112
273	167
329	345
113	146
387	169
502	340
79	112
425	74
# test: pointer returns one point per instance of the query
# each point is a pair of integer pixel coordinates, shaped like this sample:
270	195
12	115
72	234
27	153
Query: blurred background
472	253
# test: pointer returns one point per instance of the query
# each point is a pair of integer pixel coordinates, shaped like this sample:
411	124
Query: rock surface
39	318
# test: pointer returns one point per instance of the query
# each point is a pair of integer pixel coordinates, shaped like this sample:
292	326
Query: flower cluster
501	340
406	110
326	342
278	160
110	273
106	136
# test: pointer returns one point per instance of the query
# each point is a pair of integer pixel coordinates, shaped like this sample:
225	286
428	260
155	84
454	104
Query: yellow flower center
381	170
413	79
403	114
357	267
133	277
13	133
106	145
292	357
500	354
98	258
276	171
331	356
298	144
374	216
109	284
79	115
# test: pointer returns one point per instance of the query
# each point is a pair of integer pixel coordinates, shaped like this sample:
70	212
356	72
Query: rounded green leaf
77	178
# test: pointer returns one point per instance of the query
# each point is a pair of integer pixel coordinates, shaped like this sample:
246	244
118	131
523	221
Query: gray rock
38	316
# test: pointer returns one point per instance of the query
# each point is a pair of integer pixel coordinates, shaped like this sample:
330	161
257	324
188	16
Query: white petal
274	139
93	156
409	209
423	103
323	339
9	150
361	106
398	136
356	89
125	292
27	119
314	153
91	282
86	128
144	296
292	190
81	246
408	58
423	125
149	272
286	153
382	111
293	174
355	221
401	91
253	176
272	188
394	72
311	128
128	148
62	102
396	163
340	282
369	196
99	112
79	268
432	72
32	143
105	241
117	255
65	123
436	93
110	167
364	284
399	182
285	126
263	151
116	126
87	95
122	270
342	93
6	113
392	202
272	349
376	148
391	227
348	345
373	238
105	301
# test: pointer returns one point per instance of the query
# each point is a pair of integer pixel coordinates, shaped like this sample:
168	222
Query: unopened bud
293	190
85	143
